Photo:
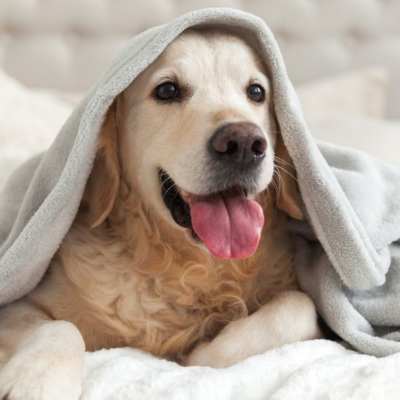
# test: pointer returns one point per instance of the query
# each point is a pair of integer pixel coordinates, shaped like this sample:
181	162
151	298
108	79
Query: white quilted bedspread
311	370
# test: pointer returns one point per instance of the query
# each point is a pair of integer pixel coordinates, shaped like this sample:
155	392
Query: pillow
379	138
31	120
359	93
347	110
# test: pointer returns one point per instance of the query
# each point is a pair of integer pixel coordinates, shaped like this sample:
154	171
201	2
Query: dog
180	246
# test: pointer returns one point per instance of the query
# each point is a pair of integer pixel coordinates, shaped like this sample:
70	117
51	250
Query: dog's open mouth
228	223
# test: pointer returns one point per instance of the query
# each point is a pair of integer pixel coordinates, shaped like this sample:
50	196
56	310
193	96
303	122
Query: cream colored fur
126	274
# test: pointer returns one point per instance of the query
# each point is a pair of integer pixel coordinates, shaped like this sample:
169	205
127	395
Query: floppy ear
103	184
288	198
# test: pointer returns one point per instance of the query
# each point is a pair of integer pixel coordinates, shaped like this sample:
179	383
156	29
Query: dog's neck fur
141	283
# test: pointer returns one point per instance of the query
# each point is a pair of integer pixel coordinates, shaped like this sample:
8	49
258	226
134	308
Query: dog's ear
103	184
288	198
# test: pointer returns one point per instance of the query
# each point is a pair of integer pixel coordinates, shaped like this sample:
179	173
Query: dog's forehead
203	58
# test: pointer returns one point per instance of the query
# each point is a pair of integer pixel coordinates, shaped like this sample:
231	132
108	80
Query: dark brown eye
256	92
167	91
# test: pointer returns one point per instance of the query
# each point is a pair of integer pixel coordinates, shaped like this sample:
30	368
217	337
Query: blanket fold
348	253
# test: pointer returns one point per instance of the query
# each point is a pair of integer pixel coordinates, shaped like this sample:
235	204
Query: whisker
282	161
172	186
277	181
284	170
166	179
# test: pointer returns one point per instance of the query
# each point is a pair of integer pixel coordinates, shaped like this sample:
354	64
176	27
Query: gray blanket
348	253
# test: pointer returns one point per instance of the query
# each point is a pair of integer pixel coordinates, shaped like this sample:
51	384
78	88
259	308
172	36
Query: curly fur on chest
129	282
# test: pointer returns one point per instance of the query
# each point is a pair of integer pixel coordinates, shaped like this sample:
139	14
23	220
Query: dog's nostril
259	146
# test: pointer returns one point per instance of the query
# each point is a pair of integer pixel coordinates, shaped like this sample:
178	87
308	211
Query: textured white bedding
314	370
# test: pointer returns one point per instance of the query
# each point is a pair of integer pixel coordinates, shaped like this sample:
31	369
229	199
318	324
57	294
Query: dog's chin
227	222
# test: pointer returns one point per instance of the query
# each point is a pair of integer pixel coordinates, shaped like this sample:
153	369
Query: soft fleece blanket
348	256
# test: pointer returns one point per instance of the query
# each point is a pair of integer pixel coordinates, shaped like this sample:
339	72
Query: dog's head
195	135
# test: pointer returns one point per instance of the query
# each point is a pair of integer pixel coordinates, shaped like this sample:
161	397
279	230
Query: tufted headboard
66	44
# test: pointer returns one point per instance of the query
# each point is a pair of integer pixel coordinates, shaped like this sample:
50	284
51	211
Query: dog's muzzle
228	222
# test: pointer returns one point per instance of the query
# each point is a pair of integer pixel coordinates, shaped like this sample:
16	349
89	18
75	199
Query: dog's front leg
40	359
289	317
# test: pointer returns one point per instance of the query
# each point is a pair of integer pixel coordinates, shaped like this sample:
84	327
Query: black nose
240	143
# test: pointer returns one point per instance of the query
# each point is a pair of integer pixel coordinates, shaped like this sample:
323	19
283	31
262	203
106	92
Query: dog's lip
191	197
226	222
174	201
178	200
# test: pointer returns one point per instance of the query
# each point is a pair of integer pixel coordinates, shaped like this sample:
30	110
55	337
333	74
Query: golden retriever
180	245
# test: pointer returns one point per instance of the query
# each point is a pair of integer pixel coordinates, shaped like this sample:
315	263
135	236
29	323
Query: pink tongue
229	226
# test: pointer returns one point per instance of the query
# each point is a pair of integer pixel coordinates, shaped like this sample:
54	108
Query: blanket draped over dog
348	251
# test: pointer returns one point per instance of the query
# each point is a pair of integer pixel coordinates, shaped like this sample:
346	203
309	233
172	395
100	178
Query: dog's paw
44	377
216	355
268	328
47	365
199	357
38	381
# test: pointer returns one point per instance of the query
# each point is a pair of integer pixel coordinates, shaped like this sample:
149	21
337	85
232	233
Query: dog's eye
256	93
167	91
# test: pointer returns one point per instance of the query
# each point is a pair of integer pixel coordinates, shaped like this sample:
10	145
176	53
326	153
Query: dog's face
196	139
201	114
